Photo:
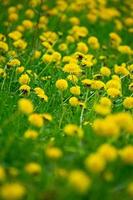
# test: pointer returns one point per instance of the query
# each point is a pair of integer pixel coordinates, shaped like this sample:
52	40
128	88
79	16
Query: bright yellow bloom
13	191
36	120
25	89
127	154
31	134
108	152
106	127
13	63
75	90
3	46
27	24
25	106
19	69
105	71
79	180
82	47
24	79
128	102
61	84
113	92
15	35
95	163
73	129
53	152
20	44
105	101
102	110
72	78
93	42
74	101
33	168
72	68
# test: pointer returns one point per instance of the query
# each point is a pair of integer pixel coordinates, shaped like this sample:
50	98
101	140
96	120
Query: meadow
66	99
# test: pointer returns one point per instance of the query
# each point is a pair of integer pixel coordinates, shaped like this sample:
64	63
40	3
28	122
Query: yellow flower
105	71
12	54
2	73
39	91
2	37
72	68
3	46
30	13
31	134
70	39
63	47
19	69
128	102
79	180
25	89
33	168
25	106
95	163
13	191
61	84
106	127
36	120
121	69
75	90
47	117
36	54
47	58
93	42
20	28
24	79
87	82
131	87
13	63
108	152
102	110
114	83
27	24
56	56
13	17
82	47
105	101
74	101
20	44
73	129
115	39
124	49
72	78
74	21
43	97
15	35
2	59
97	85
126	154
113	92
79	32
53	152
130	68
121	117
